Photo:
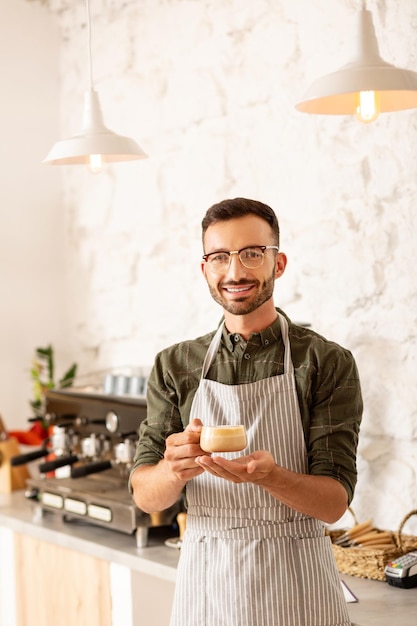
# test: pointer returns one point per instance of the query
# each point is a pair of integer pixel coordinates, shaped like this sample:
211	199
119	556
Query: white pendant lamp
95	144
364	87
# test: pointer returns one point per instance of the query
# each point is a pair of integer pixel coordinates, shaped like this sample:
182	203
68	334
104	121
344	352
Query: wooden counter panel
55	585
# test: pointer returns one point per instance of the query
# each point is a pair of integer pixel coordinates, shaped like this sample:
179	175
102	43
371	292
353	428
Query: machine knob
32	493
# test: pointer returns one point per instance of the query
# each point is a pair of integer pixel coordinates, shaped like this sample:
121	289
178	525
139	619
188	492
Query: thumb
195	425
251	466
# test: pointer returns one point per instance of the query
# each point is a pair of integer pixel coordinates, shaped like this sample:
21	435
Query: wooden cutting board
11	478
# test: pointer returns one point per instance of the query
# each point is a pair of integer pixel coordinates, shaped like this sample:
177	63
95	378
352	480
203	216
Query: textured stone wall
208	90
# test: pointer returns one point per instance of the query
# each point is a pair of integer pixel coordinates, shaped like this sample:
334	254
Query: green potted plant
43	373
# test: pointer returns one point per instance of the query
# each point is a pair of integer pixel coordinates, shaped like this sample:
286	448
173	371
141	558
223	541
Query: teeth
237	290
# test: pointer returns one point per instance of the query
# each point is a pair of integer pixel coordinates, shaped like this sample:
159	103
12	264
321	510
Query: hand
182	449
253	468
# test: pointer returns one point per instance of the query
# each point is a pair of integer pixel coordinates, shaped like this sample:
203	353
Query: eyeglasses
251	257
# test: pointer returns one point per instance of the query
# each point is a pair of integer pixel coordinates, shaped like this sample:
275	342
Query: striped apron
246	558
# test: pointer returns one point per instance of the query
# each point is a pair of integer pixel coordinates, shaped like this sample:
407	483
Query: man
255	551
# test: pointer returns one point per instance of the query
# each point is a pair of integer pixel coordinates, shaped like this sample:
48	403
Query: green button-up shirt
327	384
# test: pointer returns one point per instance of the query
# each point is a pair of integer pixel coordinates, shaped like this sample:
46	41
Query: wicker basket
369	562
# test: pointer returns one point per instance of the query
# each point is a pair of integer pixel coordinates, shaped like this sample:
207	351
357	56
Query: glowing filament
95	164
367	109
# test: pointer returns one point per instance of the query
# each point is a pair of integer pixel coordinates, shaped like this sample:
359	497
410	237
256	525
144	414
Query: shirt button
266	342
246	356
236	338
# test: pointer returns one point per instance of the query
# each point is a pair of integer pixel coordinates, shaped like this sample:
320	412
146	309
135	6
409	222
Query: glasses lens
251	257
218	261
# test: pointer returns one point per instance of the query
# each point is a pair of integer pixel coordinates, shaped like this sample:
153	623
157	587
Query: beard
244	305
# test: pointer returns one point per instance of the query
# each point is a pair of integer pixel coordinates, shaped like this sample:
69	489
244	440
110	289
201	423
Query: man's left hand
253	468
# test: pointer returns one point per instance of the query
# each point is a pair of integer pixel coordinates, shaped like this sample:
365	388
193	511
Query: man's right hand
182	449
157	487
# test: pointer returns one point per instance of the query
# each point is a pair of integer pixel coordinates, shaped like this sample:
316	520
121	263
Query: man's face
237	289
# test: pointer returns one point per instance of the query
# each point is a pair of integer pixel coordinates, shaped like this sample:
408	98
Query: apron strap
211	352
215	343
288	366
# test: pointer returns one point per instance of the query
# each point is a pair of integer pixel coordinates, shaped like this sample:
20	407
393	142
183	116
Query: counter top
155	559
379	604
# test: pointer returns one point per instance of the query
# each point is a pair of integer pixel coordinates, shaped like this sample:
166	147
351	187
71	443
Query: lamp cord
90	58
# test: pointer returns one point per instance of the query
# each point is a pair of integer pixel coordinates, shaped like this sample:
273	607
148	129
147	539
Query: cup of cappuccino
223	438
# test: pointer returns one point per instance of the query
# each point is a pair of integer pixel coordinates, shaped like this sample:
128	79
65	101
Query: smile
237	289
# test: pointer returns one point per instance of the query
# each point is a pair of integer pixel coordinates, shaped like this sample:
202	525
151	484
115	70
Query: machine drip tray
101	499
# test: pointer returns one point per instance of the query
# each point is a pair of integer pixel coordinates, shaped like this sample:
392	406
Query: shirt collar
265	337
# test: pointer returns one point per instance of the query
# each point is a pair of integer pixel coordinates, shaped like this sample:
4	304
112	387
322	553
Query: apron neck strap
215	343
211	352
288	366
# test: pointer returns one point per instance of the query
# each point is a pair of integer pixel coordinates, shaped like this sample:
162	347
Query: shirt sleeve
163	416
335	412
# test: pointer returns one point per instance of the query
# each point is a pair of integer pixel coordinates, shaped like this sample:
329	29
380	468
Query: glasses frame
263	249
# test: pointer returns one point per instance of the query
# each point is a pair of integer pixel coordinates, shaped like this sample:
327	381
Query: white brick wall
208	90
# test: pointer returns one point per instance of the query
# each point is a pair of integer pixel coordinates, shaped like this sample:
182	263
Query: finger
187	436
215	468
188	473
184	452
211	470
205	461
236	466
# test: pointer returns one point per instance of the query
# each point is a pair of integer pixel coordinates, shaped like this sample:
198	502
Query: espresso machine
84	464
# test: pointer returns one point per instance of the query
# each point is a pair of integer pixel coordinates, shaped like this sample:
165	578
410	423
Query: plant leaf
68	377
48	354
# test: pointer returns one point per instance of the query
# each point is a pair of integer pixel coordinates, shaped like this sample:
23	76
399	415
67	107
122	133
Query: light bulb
367	106
95	164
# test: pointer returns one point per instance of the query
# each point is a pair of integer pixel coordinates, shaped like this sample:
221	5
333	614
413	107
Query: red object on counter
35	436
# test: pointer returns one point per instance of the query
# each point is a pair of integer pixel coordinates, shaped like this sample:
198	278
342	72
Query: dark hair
238	207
